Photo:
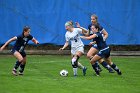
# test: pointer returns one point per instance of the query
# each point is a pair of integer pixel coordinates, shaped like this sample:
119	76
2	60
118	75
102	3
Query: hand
77	24
61	49
90	44
82	37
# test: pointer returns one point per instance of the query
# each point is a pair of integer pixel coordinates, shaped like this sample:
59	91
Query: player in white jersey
77	47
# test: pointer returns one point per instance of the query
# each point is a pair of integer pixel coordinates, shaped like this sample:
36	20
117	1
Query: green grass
42	76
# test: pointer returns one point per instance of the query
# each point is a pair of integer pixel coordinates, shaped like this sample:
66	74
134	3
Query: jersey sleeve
18	37
79	30
66	37
30	37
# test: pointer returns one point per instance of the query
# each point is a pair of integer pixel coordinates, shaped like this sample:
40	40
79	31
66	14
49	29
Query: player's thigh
18	56
92	52
96	58
101	60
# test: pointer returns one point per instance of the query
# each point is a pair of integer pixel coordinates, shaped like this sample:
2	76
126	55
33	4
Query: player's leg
92	51
105	65
94	66
79	54
20	60
114	66
22	65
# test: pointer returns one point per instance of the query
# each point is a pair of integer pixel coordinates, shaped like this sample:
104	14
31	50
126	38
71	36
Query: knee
89	55
74	62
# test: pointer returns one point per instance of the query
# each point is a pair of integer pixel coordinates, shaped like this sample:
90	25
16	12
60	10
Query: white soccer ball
64	73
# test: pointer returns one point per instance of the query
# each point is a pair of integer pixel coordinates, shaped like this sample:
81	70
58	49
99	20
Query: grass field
42	76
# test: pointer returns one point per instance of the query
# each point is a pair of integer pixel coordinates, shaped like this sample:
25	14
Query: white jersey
74	37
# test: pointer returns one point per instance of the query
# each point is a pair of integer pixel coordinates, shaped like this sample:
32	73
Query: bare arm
84	30
65	45
89	37
105	34
35	41
9	41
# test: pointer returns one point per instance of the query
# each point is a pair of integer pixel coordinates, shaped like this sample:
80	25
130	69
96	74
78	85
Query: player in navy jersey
18	49
94	49
104	50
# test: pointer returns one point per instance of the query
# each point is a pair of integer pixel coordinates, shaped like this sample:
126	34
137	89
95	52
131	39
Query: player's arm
89	37
65	45
105	34
9	41
35	41
84	30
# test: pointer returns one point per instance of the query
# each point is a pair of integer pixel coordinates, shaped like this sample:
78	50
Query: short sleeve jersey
101	43
89	28
74	37
21	42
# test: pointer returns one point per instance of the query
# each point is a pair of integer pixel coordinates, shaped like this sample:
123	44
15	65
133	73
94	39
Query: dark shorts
95	46
23	54
104	53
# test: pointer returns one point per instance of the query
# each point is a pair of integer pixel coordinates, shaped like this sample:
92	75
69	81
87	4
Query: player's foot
14	72
119	72
97	73
20	73
111	70
84	71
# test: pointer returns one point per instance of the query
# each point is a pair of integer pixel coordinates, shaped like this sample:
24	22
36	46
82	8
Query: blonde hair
69	23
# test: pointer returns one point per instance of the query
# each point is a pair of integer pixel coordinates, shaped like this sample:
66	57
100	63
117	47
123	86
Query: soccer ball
64	73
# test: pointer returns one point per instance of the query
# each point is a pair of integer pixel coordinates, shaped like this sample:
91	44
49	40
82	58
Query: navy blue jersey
89	28
21	42
101	43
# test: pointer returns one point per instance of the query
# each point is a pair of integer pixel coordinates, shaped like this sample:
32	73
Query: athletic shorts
74	50
95	46
104	53
23	54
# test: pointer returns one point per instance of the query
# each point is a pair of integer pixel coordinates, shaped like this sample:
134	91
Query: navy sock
115	67
17	64
95	67
22	66
105	65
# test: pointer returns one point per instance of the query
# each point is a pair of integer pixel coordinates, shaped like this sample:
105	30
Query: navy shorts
23	54
105	53
95	46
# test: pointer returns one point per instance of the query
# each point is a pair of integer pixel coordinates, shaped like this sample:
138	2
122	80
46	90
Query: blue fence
47	18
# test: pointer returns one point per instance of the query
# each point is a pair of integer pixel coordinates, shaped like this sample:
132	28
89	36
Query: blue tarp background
47	18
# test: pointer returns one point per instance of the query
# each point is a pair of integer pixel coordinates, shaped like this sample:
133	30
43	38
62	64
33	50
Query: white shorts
76	49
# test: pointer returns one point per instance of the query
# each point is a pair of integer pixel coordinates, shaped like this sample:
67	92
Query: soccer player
104	50
77	46
94	49
18	49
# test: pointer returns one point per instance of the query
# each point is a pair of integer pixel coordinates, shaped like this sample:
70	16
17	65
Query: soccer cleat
20	73
84	71
14	72
97	73
119	72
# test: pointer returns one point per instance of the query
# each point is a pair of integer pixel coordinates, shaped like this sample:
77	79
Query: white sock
75	71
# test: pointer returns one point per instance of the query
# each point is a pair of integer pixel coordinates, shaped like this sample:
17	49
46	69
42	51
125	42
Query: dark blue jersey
89	28
21	42
101	43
